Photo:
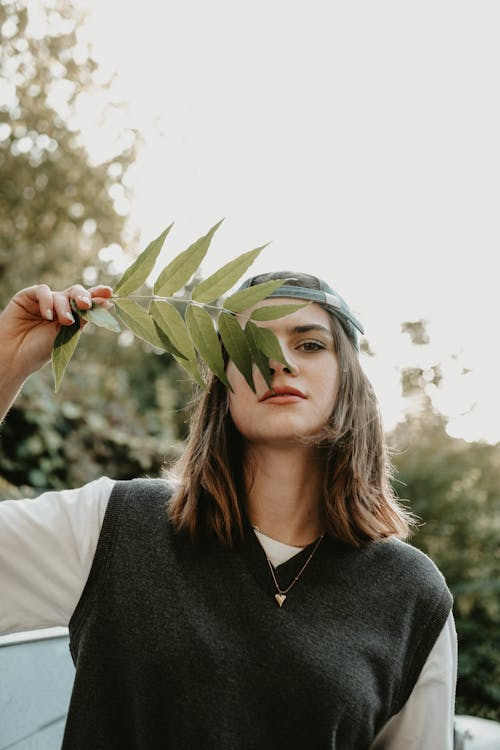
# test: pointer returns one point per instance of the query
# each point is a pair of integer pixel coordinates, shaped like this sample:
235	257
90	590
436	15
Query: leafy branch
191	329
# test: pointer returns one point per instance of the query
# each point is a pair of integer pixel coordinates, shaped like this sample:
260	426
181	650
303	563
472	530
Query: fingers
39	296
62	308
83	298
56	306
101	295
101	291
79	295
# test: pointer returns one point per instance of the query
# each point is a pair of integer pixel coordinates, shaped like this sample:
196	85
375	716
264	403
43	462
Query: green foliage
126	427
219	282
64	348
139	322
56	208
164	328
237	346
177	274
246	298
171	323
100	317
138	272
260	359
120	409
454	487
272	312
201	329
169	320
479	662
264	340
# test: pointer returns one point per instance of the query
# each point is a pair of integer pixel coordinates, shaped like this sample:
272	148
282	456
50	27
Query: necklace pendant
280	598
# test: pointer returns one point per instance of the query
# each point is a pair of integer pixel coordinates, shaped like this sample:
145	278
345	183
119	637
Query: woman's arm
47	546
426	720
28	327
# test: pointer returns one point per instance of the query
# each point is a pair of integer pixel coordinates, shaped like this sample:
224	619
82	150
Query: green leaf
102	318
167	342
268	344
272	312
139	322
219	282
171	322
240	301
139	271
99	316
64	347
258	357
191	367
179	271
202	332
236	345
144	327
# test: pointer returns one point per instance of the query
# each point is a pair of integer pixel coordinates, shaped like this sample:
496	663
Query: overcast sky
362	138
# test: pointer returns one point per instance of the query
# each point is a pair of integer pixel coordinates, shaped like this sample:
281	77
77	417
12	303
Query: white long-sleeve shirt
47	546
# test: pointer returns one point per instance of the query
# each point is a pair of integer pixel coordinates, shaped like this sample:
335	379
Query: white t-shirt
47	546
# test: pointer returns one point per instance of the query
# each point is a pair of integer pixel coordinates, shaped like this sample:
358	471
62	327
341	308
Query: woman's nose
275	366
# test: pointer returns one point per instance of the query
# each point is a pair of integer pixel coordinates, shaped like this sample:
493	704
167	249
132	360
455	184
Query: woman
261	596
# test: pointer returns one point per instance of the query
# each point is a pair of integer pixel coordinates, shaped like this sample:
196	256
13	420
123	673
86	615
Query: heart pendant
280	598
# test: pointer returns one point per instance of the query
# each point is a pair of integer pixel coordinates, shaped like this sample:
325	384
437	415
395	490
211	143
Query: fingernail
68	316
49	314
85	299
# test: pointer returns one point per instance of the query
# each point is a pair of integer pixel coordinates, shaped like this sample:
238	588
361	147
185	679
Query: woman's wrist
11	382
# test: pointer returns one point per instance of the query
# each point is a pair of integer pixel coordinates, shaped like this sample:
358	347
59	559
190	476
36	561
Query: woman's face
304	395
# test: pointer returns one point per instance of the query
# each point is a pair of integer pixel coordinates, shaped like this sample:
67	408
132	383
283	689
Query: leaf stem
153	297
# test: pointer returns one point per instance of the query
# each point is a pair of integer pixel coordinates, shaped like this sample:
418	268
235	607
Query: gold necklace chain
280	595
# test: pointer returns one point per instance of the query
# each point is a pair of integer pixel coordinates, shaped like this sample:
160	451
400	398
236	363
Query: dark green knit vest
184	647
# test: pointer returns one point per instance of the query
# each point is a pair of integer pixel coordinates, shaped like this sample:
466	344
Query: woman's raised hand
30	323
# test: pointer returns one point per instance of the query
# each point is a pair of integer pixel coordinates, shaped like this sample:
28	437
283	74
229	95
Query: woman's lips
283	396
284	399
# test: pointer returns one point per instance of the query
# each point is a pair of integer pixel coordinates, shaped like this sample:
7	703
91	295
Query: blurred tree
62	221
56	208
454	487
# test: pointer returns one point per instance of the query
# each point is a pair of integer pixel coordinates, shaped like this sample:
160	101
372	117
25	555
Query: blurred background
362	139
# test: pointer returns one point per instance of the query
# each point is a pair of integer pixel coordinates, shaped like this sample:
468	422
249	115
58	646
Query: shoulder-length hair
359	504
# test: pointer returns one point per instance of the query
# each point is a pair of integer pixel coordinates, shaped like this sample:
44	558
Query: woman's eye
312	346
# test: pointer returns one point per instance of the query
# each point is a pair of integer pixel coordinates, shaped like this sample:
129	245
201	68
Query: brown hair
359	503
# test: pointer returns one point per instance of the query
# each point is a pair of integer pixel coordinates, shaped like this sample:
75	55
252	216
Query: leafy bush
454	487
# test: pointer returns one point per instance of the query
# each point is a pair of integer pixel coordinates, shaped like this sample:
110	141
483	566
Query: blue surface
36	678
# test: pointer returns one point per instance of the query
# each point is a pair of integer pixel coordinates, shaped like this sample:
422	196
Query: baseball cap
308	287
